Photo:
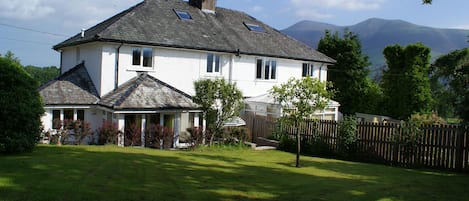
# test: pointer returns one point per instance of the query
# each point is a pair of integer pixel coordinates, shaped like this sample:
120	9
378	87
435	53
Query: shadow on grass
111	173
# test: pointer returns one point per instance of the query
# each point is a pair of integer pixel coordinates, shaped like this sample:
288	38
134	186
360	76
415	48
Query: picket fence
444	147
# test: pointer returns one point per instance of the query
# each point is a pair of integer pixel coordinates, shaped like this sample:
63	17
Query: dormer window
183	15
142	57
254	27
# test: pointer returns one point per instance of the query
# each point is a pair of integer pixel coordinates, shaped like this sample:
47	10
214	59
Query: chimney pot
82	33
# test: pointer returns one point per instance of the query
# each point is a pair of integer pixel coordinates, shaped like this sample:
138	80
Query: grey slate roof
71	88
145	92
154	22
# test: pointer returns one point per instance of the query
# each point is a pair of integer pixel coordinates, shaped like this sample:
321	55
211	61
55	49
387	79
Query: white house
139	66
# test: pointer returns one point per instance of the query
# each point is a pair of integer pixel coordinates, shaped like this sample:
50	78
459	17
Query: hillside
375	34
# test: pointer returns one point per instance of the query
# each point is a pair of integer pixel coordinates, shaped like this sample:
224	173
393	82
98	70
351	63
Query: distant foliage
42	74
406	85
450	84
355	91
428	119
20	107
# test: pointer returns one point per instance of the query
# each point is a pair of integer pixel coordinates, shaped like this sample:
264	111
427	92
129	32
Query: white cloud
257	9
320	9
24	9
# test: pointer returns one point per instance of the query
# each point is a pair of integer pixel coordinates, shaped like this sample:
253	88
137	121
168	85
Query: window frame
214	62
61	116
255	27
266	69
183	15
145	61
309	70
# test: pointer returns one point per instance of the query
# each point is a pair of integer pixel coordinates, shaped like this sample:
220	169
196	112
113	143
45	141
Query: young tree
355	91
220	101
406	83
20	107
299	100
450	83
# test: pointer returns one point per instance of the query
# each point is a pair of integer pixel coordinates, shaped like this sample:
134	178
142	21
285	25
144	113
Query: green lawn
112	173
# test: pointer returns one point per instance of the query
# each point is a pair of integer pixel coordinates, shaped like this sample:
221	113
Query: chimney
204	5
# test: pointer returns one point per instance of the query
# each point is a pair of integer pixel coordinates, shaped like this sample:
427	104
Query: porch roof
145	92
71	88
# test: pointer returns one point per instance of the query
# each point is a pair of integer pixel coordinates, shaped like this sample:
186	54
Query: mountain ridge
376	33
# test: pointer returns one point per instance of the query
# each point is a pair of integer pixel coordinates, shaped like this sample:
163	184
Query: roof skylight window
254	27
183	15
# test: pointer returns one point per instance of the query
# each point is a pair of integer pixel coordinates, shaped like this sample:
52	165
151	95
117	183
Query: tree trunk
298	144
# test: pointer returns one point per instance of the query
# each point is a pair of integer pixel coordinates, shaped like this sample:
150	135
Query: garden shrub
133	135
159	137
408	138
20	108
235	135
82	130
108	133
347	136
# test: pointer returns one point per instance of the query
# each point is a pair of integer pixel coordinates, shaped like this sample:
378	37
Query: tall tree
220	101
406	83
355	91
300	99
20	107
450	83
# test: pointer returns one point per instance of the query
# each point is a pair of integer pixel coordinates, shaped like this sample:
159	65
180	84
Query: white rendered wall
68	56
108	69
180	68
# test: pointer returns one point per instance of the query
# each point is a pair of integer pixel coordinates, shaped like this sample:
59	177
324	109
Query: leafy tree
356	92
450	83
406	84
20	107
299	100
42	74
427	1
220	101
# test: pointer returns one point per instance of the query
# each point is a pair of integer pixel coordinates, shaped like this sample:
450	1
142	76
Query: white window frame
62	116
140	64
213	65
266	74
309	69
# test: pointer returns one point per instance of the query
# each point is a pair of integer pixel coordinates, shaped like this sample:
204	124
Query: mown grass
112	173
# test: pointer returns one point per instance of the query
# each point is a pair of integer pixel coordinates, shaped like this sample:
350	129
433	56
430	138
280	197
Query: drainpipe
116	70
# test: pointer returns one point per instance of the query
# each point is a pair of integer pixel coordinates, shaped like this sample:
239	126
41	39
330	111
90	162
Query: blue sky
29	28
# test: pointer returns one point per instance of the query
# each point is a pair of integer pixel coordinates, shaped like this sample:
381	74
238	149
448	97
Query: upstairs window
266	69
254	27
308	70
183	15
142	57
213	63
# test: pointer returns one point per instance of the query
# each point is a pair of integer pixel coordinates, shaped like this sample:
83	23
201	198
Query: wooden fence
443	147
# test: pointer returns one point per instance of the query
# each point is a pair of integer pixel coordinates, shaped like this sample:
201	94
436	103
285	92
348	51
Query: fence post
459	148
395	145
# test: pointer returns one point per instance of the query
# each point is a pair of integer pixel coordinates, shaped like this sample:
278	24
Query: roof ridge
105	24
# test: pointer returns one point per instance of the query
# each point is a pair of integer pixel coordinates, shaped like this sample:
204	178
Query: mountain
375	34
